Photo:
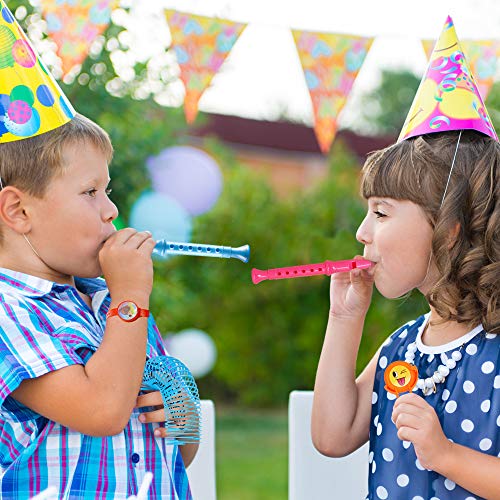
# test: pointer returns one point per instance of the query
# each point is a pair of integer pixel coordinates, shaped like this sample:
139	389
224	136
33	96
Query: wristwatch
128	311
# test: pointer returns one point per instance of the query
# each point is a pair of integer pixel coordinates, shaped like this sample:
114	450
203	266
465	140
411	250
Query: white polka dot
467	425
418	497
379	429
450	407
498	420
487	367
469	387
471	349
406	444
491	336
374	398
403	480
374	467
445	395
375	421
382	492
391	396
496	382
471	498
382	362
434	498
403	334
485	444
387	342
418	464
485	406
370	457
388	455
430	358
449	484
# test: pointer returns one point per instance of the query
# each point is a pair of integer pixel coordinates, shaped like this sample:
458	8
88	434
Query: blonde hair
468	290
31	164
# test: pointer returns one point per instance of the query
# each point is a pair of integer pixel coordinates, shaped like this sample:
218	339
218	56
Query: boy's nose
111	212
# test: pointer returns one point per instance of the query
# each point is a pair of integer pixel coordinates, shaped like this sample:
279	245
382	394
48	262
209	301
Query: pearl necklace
428	385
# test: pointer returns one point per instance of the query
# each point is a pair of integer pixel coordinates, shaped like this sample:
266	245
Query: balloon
118	223
187	174
195	349
161	215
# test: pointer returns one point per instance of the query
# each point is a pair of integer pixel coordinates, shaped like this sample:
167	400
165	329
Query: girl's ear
12	212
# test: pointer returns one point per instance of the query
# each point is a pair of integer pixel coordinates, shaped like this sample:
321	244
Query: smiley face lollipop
400	377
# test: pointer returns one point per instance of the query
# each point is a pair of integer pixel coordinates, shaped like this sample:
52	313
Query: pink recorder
328	267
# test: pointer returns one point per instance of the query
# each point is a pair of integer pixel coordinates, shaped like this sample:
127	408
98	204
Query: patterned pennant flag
482	56
330	63
74	24
201	45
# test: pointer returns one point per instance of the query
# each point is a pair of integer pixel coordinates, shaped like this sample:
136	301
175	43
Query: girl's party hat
447	98
31	101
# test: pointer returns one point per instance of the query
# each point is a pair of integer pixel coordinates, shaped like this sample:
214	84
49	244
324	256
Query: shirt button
135	458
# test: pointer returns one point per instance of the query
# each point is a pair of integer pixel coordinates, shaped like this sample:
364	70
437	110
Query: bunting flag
330	63
74	24
201	45
482	56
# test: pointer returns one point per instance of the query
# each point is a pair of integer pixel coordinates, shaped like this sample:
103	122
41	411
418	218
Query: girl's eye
379	214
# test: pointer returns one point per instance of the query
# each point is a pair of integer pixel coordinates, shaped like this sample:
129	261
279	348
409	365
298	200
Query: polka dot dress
467	404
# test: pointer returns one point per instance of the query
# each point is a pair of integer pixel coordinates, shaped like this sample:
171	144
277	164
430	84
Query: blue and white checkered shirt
45	326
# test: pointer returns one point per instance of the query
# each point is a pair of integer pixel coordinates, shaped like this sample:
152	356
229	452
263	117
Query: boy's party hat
31	101
447	98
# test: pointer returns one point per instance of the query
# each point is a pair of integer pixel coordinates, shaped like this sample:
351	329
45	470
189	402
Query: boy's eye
91	192
379	214
108	191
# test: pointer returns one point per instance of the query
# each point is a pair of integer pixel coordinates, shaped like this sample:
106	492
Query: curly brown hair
417	169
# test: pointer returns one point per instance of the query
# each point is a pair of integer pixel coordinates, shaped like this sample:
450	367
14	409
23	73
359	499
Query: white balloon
195	349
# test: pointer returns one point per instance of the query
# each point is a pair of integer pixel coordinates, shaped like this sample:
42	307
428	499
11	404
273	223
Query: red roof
284	136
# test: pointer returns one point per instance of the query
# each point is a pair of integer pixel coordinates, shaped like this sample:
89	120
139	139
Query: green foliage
269	335
385	108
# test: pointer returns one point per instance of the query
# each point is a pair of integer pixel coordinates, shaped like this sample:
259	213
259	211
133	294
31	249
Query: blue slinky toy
180	398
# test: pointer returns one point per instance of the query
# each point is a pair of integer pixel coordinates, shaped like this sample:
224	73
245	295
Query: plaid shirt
45	326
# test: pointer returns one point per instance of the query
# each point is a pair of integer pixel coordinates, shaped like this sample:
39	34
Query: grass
251	454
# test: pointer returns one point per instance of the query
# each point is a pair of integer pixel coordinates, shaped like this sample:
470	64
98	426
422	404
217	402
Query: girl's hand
416	421
351	293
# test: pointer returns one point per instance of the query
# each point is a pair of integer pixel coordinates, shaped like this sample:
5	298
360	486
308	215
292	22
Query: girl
442	440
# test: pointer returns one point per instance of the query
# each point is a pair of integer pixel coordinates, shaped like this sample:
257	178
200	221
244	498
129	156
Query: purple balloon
189	175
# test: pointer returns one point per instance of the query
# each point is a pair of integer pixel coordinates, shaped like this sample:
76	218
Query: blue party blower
164	248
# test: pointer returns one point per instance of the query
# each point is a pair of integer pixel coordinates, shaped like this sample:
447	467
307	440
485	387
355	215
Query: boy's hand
351	293
416	421
127	266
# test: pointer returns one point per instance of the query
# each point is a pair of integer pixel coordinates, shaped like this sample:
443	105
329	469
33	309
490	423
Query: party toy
399	377
180	398
164	248
328	267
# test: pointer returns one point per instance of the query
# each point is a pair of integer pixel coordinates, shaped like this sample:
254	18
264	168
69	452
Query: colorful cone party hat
31	102
448	98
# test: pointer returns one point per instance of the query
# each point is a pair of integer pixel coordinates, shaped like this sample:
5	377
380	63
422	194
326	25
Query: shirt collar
33	286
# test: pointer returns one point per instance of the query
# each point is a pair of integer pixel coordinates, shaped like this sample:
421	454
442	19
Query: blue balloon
163	216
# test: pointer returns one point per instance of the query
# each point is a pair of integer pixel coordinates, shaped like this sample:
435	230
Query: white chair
201	472
312	476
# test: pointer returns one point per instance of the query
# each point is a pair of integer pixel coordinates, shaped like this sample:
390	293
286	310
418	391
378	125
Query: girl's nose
362	234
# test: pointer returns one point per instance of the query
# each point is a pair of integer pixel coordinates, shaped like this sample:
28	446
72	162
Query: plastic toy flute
328	267
164	248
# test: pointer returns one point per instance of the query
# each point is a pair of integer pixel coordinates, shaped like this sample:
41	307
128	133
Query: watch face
128	311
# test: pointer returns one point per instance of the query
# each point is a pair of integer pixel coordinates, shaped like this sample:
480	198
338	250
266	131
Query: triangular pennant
73	26
201	45
330	63
447	98
31	102
482	56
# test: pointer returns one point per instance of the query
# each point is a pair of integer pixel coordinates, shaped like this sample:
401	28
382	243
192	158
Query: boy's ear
12	212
